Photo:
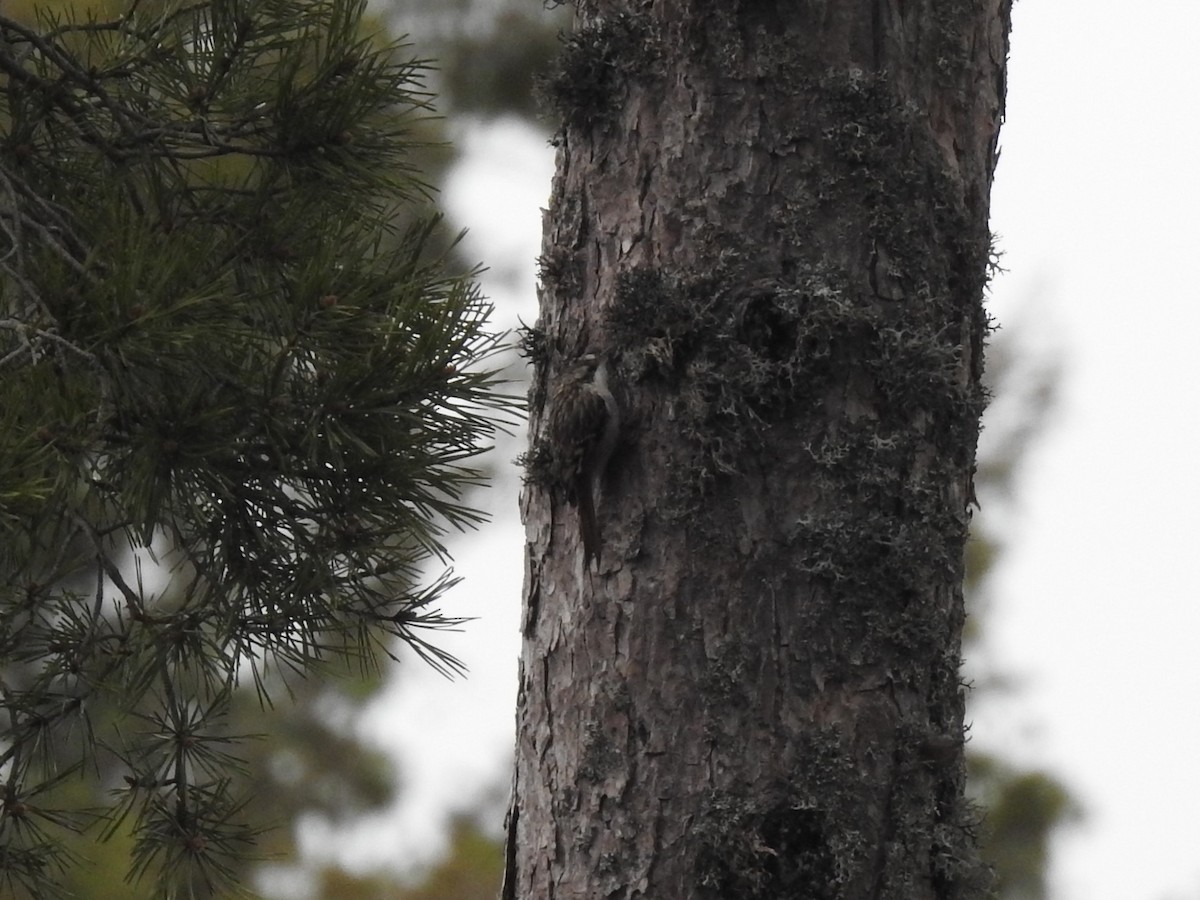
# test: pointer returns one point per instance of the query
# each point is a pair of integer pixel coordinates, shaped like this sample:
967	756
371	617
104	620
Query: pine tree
229	353
770	224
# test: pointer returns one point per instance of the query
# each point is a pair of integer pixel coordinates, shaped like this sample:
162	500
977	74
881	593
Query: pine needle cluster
241	398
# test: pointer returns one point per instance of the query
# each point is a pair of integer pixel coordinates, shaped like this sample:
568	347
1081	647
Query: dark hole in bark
786	856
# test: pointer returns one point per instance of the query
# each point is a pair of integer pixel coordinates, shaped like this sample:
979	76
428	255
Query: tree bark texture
772	218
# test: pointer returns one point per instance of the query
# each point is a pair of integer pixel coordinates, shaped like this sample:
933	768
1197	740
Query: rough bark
772	216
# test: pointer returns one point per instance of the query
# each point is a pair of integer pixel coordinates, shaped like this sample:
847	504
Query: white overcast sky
1097	607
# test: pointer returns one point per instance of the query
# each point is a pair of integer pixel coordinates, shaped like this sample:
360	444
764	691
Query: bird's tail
589	533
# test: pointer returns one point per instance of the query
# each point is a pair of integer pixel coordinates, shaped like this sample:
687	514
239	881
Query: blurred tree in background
1023	806
491	54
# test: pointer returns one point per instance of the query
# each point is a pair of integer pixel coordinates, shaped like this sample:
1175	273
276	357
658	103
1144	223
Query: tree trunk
771	219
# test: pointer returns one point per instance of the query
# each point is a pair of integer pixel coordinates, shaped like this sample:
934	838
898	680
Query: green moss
559	269
585	84
788	858
938	249
533	344
541	464
604	751
730	358
601	754
797	841
736	359
805	838
951	47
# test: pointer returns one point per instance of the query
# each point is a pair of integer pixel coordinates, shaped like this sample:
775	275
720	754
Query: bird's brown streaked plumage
583	425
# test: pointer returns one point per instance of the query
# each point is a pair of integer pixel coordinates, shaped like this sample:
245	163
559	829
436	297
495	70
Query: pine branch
231	357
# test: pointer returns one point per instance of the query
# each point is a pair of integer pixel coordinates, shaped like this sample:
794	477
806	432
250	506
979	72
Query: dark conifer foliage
229	353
